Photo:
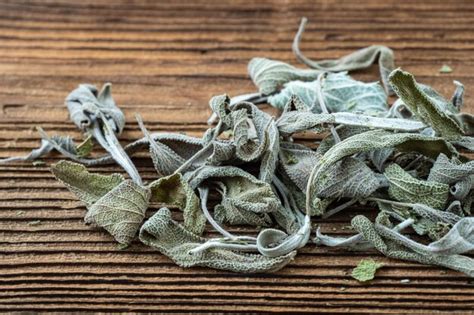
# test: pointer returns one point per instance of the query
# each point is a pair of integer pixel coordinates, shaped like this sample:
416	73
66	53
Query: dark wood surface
166	60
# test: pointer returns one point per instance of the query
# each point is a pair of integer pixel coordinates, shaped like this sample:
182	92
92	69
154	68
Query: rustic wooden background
166	60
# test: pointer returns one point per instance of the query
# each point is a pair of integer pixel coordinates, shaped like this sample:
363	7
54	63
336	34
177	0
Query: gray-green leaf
449	171
115	204
86	98
341	94
121	211
429	107
360	59
347	178
403	187
86	186
174	241
270	75
245	199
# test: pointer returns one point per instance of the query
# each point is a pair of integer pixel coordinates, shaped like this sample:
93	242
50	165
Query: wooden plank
166	60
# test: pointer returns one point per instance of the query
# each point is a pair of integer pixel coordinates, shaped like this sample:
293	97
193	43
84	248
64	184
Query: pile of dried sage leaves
407	160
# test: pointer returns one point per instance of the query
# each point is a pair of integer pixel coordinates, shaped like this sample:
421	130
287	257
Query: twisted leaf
255	135
64	142
86	100
360	59
430	108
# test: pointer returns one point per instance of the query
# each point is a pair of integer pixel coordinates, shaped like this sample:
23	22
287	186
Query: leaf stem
322	104
107	139
203	194
217	243
339	208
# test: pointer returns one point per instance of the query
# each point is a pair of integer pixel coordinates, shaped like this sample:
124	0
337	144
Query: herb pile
406	160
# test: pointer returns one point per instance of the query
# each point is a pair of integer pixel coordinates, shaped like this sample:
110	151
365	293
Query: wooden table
166	60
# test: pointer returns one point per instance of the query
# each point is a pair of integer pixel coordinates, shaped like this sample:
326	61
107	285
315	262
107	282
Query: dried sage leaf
113	203
403	187
255	134
176	242
292	122
347	178
276	243
445	69
64	142
297	161
88	187
448	171
459	240
395	245
245	199
121	211
270	75
341	94
429	108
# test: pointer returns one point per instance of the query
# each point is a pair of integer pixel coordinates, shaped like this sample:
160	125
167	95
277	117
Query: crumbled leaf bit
401	160
445	69
365	270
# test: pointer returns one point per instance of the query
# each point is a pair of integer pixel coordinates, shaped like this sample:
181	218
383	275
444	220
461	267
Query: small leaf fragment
366	270
445	69
34	223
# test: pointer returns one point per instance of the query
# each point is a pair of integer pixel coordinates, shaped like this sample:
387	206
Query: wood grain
166	60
